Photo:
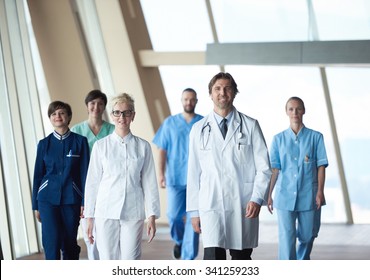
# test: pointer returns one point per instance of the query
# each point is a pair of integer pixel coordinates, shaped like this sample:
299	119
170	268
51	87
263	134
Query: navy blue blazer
60	169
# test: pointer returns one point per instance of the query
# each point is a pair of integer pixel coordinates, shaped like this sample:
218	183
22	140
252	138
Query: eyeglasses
126	113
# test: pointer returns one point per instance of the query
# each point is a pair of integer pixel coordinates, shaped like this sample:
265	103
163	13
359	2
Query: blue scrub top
298	158
173	137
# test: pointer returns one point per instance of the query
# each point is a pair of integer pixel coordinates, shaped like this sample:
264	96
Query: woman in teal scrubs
94	128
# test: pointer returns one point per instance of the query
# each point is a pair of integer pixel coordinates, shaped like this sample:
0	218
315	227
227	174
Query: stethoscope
203	136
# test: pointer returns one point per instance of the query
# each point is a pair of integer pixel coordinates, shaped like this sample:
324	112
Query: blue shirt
298	158
229	118
173	137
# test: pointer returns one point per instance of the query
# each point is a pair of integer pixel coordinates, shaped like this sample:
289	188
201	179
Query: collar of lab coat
233	126
125	139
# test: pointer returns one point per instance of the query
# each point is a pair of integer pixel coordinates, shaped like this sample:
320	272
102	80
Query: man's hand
195	222
253	210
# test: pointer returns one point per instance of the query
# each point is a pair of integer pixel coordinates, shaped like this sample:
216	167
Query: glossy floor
335	242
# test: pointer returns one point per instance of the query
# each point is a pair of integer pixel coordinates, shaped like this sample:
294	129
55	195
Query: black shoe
176	254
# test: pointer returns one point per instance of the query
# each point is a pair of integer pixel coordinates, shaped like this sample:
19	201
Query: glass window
17	129
260	21
177	25
351	100
342	20
176	78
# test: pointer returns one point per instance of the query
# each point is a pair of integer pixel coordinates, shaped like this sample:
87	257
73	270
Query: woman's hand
90	226
37	213
270	204
151	228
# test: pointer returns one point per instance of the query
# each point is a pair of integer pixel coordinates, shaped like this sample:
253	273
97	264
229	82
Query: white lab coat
223	176
121	181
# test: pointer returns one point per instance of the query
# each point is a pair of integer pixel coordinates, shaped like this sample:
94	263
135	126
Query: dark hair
191	90
295	98
56	105
226	76
94	94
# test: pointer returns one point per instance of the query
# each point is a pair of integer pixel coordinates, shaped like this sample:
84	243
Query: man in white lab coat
228	175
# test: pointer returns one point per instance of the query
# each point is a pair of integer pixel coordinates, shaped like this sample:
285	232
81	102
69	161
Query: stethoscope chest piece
240	135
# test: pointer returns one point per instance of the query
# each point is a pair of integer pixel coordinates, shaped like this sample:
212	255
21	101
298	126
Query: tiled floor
335	242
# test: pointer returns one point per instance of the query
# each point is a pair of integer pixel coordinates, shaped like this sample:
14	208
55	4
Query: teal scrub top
83	129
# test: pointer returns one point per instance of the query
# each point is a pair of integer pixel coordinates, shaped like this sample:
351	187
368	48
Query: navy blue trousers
59	224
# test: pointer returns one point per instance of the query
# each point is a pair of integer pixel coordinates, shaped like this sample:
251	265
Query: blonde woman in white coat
121	188
228	177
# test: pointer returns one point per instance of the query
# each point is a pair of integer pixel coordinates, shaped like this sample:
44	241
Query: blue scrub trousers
305	226
59	225
182	232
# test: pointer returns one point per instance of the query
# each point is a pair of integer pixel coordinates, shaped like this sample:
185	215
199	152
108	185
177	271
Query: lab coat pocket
243	150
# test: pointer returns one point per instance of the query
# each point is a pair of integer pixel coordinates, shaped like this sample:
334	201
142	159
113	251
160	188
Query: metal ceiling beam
314	53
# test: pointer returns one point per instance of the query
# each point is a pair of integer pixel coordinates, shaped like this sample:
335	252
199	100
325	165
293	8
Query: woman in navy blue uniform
58	184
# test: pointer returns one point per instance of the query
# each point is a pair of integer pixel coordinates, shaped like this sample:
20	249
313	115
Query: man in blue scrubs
172	139
298	159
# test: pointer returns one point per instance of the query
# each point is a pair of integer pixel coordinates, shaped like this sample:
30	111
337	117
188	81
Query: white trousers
119	239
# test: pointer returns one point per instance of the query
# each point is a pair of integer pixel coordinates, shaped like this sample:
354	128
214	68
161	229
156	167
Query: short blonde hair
124	98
